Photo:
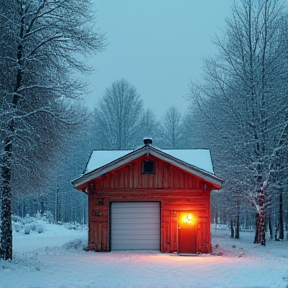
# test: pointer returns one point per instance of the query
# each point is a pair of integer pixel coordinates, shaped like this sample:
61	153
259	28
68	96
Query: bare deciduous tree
171	128
119	116
243	99
42	47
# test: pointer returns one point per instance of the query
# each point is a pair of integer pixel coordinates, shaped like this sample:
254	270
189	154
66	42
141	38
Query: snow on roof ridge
99	158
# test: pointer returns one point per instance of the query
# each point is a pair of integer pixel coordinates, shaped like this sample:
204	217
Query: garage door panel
135	225
138	237
130	205
134	247
140	232
139	243
134	244
137	215
135	210
140	221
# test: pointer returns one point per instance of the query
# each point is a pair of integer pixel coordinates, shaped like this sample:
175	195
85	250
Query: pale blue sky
157	45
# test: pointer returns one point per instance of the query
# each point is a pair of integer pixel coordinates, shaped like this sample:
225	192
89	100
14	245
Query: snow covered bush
27	230
46	216
36	224
75	226
27	224
17	227
77	244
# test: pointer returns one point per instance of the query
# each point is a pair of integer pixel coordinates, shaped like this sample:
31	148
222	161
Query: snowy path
43	262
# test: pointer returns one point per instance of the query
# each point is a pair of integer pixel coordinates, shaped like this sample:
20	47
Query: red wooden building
149	199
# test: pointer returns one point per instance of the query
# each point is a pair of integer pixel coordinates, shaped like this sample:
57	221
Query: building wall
176	190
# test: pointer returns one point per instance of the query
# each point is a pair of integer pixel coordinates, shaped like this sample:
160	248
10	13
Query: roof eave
110	166
209	177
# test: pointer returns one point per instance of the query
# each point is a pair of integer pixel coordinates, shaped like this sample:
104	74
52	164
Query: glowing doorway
187	233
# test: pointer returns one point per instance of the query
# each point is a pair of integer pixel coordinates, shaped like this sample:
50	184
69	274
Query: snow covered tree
42	46
118	117
244	97
171	128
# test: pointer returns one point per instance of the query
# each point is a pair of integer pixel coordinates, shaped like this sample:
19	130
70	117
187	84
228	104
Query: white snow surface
56	259
100	158
200	158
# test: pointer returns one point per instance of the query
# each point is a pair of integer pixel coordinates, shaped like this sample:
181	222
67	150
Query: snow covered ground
56	259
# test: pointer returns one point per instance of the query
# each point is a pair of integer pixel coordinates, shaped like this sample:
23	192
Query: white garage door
135	226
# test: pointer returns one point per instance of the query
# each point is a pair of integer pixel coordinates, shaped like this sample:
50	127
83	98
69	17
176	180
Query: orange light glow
188	219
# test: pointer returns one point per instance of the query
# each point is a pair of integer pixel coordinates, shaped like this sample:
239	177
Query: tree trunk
6	223
237	230
257	230
216	217
232	228
281	220
287	227
276	233
262	219
263	230
260	230
24	208
270	227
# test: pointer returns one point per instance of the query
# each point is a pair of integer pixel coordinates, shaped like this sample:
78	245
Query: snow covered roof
100	158
194	161
200	158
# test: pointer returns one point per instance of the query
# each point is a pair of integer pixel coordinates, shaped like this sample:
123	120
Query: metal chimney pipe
147	141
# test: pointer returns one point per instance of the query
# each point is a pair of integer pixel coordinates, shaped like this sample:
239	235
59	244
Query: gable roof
197	162
200	158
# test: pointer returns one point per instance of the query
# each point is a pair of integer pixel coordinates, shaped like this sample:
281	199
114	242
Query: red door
187	237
